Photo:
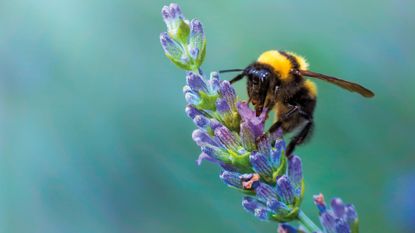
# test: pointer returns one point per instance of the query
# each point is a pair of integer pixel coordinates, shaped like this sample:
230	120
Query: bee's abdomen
305	100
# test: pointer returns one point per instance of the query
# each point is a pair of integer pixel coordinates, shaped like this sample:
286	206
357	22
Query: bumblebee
277	81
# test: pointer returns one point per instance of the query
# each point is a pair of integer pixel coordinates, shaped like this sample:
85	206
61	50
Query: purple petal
328	221
222	106
264	146
247	137
260	164
338	207
286	228
201	121
262	214
204	156
165	12
295	172
197	36
170	47
214	124
214	82
275	158
226	137
192	98
175	11
245	112
192	112
214	153
341	226
203	139
232	179
256	130
194	52
277	152
255	123
279	144
249	115
187	89
277	135
285	190
278	207
351	214
228	93
196	82
257	208
265	192
228	167
250	204
196	27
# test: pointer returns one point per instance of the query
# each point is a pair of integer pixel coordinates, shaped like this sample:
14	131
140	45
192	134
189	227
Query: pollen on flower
248	183
319	199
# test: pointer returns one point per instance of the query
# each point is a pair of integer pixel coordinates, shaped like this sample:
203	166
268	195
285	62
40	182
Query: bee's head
260	79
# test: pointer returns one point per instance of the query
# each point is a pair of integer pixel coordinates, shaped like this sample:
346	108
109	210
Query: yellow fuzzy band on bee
302	62
279	62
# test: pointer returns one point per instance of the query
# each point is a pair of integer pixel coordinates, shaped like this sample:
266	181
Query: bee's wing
354	87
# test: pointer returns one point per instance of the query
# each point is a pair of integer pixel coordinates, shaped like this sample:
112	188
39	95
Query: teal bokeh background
94	138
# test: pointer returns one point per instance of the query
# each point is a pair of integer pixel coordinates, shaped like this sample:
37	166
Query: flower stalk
231	135
307	223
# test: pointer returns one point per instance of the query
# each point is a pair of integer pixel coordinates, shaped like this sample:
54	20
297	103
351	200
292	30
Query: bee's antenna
237	78
231	70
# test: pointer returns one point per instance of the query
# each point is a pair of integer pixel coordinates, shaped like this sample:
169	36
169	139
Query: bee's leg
278	124
300	138
267	114
286	116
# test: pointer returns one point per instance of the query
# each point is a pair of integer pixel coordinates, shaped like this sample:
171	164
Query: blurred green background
94	138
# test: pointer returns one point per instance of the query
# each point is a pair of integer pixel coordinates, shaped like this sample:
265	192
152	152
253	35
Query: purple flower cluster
184	43
340	218
279	200
212	107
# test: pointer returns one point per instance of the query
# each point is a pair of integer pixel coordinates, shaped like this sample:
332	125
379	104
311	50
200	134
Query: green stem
306	221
